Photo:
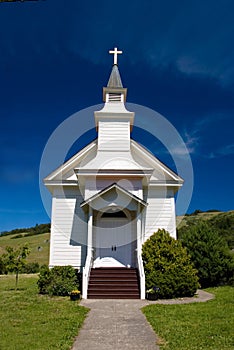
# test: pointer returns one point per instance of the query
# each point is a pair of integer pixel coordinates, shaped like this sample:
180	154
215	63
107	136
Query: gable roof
63	174
109	189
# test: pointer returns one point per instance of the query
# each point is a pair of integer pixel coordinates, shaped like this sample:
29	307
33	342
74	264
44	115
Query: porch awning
105	198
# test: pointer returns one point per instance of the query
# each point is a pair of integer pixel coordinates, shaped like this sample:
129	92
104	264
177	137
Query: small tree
167	266
209	253
15	260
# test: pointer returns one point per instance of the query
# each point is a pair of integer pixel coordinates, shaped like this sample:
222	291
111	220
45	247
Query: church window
114	214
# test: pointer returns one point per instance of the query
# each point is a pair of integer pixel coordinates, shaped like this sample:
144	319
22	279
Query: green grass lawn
197	326
34	242
32	321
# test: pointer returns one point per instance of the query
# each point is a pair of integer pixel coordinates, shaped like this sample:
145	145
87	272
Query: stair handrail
141	273
86	273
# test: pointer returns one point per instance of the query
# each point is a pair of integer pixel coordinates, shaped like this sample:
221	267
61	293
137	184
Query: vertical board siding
68	231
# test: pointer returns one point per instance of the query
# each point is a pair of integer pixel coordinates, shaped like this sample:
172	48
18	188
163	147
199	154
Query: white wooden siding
68	230
160	213
113	136
94	185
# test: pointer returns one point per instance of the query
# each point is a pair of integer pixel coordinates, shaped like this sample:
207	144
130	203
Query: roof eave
109	188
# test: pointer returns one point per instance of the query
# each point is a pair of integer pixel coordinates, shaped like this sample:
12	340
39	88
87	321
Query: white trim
165	182
109	188
60	182
116	172
51	258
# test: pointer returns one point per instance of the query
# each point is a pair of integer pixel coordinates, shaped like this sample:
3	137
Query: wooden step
111	282
114	273
114	283
115	287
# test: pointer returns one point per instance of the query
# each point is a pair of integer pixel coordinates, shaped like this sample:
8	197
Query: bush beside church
60	280
168	267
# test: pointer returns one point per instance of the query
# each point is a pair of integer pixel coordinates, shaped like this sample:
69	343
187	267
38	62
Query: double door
113	238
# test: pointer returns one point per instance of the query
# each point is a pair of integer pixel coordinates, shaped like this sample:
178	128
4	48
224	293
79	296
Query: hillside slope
223	222
38	244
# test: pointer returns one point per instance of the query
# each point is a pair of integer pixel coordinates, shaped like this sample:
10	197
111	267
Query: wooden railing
86	273
141	274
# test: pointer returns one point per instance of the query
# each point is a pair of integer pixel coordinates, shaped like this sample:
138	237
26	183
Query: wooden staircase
113	283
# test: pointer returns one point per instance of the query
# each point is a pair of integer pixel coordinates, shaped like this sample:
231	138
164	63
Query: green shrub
20	235
224	225
32	267
209	253
45	278
167	266
3	268
60	280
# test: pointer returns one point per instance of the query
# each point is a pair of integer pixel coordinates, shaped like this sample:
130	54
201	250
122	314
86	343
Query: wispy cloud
189	146
191	141
222	151
198	143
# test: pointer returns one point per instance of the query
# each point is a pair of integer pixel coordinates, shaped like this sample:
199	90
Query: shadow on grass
16	290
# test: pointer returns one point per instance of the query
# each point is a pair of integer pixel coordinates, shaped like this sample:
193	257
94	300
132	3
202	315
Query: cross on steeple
115	52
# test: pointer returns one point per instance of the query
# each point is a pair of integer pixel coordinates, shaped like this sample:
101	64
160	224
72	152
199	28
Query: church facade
111	196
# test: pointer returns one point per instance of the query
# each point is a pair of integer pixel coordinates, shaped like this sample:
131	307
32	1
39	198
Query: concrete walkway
120	324
115	324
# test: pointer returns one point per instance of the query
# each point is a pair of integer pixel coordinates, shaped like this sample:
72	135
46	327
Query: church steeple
114	92
115	79
114	122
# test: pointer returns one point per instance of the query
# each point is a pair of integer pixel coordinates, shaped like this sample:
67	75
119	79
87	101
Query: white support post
90	229
138	230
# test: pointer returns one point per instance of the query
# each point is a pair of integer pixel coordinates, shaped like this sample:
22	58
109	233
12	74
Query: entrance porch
114	234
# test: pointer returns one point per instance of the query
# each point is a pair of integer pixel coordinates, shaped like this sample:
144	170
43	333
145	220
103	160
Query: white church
107	200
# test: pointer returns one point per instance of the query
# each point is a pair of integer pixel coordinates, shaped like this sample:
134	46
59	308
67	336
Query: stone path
120	324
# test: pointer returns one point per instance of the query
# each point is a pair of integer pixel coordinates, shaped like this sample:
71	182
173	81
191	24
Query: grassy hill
38	244
223	222
185	220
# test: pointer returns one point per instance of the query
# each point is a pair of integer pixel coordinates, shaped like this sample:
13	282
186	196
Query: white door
113	238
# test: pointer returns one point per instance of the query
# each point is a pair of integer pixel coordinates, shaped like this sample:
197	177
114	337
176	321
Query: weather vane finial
115	52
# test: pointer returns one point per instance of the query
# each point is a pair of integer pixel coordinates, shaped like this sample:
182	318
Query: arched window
114	214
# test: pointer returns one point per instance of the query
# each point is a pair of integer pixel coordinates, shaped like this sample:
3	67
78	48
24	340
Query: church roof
115	79
65	174
110	188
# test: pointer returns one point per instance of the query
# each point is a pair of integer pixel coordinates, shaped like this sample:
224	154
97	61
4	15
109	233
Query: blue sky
177	60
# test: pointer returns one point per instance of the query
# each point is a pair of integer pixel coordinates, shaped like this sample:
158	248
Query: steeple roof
114	91
115	79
